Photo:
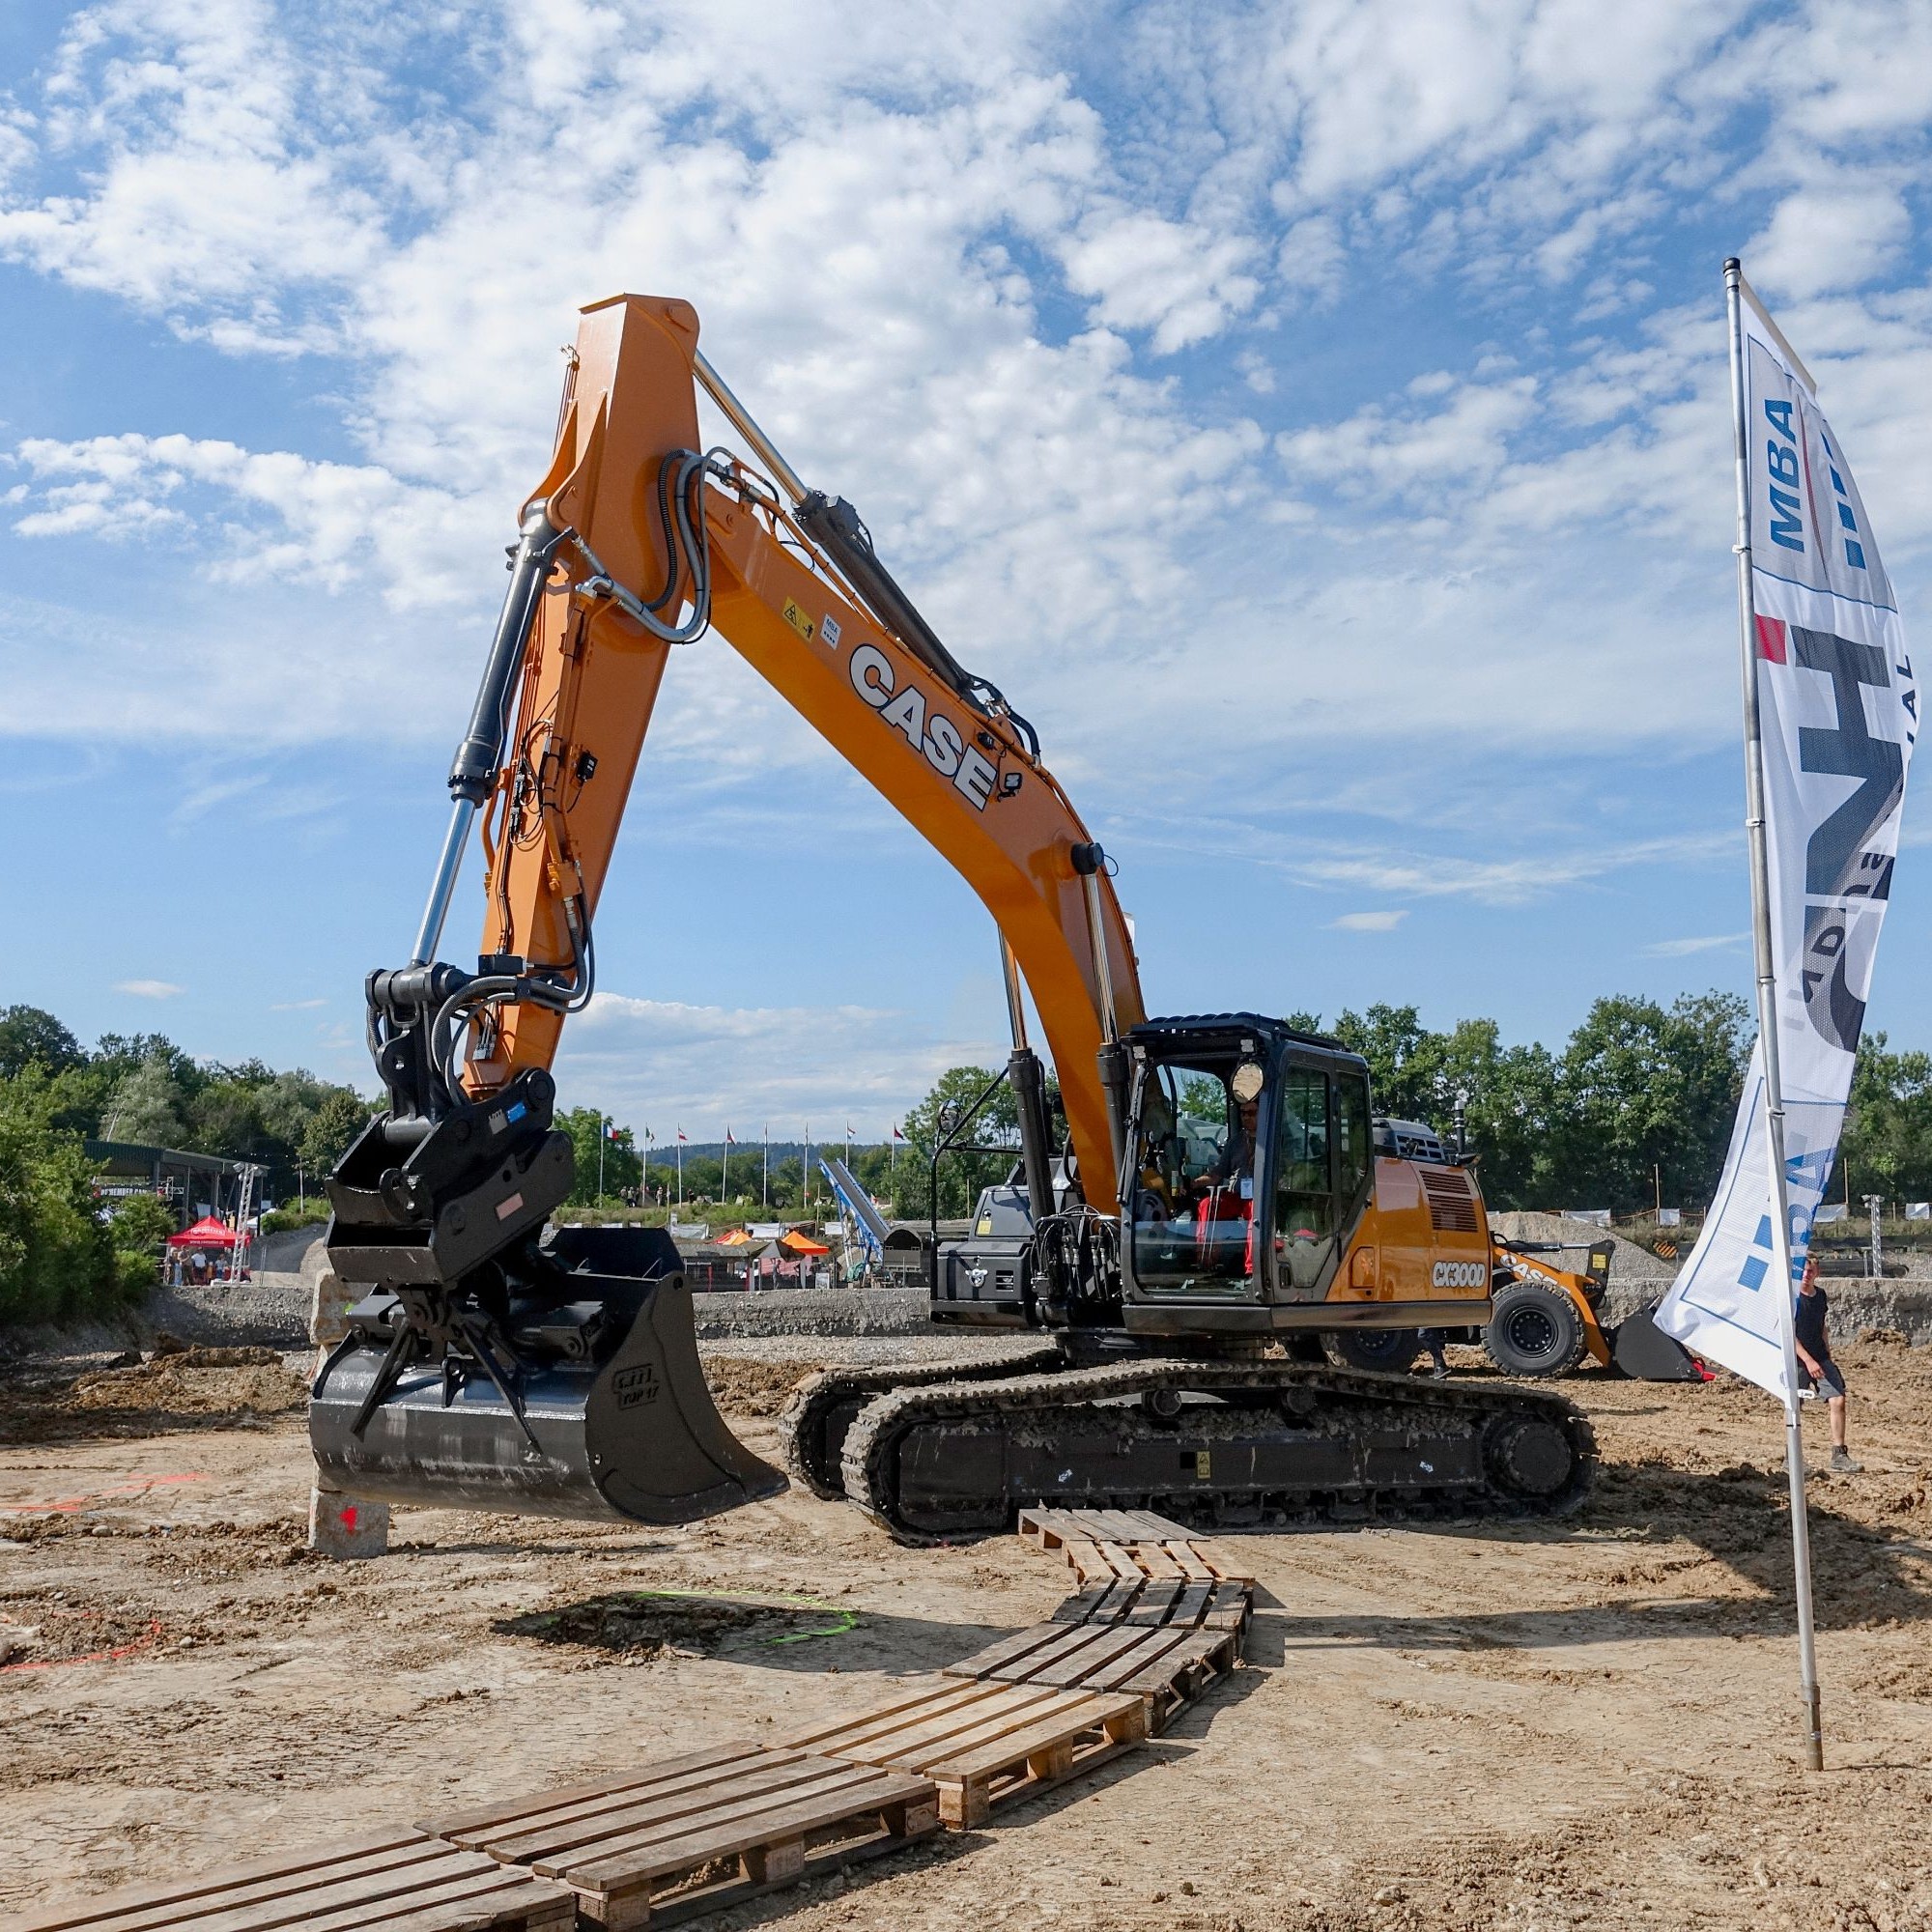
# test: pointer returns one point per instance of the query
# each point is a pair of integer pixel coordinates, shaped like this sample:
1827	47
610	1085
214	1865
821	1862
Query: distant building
190	1184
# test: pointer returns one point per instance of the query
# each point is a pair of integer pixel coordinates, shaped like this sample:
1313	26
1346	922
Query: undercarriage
940	1454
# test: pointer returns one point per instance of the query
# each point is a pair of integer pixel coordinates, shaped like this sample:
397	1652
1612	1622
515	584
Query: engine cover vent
1452	1200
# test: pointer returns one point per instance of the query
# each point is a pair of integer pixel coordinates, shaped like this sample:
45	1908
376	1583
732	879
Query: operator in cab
1235	1162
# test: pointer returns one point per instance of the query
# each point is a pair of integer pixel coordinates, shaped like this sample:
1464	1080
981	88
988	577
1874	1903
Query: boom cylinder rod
1087	862
474	769
1015	1006
442	888
742	420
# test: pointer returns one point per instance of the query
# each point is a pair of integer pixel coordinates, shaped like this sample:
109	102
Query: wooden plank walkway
400	1880
695	1834
1159	1615
1165	1664
983	1742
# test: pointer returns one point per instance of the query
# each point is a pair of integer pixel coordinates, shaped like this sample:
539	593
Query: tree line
59	1258
1638	1101
1636	1105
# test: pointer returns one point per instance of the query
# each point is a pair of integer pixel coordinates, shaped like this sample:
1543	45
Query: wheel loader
1222	1242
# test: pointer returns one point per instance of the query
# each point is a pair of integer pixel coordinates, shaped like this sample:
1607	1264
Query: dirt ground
1592	1723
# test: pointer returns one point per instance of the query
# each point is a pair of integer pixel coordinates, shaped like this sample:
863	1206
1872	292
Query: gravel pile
812	1311
866	1352
1629	1264
272	1311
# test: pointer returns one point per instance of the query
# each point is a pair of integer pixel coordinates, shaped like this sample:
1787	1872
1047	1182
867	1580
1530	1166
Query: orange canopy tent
802	1245
207	1233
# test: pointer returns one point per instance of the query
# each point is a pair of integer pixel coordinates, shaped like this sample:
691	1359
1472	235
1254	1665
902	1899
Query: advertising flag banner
1837	715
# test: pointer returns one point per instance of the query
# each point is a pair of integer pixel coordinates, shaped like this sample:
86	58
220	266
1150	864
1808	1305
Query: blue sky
1313	415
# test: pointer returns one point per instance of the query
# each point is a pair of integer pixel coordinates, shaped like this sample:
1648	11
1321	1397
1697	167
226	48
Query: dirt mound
190	1384
75	1634
742	1386
196	1388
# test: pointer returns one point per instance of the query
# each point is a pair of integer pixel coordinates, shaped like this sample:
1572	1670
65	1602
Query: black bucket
632	1435
1640	1350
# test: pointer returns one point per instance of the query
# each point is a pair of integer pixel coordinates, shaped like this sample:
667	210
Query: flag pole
1767	1024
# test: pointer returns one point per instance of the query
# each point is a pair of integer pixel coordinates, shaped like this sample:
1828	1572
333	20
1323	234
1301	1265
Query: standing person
1819	1369
1431	1340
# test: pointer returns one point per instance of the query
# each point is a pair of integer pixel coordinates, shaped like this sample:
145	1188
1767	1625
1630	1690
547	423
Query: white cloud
1827	237
1464	442
1368	922
323	523
149	990
297	1006
961	292
1144	272
1683	949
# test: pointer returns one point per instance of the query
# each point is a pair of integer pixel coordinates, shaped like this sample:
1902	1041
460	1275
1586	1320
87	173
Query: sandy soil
1587	1724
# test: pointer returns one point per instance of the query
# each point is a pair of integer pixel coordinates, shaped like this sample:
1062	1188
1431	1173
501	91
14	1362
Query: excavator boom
493	1364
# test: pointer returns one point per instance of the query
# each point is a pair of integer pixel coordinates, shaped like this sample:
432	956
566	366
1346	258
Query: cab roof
1188	1026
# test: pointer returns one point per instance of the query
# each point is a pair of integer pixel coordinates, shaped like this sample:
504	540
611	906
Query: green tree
961	1175
1642	1090
1405	1060
56	1259
138	1225
149	1104
622	1168
30	1037
339	1116
1888	1139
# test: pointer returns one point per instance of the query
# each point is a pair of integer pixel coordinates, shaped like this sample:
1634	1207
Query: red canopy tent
207	1233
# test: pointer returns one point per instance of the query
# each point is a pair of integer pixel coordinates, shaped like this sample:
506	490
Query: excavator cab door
1320	1162
1196	1190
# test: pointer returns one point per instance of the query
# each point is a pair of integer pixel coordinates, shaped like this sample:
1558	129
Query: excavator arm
641	513
495	1362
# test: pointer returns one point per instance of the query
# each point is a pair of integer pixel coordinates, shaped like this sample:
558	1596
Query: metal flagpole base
1800	1563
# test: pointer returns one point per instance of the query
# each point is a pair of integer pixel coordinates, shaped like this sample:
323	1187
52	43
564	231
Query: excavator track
1220	1444
821	1409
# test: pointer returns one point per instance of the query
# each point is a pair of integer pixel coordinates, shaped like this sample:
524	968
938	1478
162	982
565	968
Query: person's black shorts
1834	1378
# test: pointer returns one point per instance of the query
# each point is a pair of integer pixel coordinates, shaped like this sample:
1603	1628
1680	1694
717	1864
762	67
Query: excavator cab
1249	1164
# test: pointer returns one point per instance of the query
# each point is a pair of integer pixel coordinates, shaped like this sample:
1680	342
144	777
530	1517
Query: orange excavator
1216	1255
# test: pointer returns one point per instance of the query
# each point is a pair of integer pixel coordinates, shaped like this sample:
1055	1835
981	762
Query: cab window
1192	1198
1354	1150
1304	1180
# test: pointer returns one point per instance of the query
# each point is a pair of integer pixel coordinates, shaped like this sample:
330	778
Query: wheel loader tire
1390	1352
1535	1332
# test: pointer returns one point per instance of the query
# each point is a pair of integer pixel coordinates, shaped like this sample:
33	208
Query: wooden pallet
694	1833
1103	1543
984	1744
402	1881
1165	1664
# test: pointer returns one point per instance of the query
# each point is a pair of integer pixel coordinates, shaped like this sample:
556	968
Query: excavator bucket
597	1406
1640	1350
